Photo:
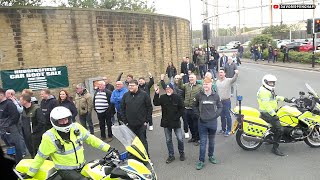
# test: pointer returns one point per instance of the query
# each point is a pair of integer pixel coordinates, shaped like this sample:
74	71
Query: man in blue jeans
223	87
207	106
172	109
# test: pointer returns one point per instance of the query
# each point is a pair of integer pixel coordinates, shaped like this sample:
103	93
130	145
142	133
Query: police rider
268	104
64	144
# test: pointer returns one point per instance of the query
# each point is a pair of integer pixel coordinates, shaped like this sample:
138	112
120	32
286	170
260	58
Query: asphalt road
301	162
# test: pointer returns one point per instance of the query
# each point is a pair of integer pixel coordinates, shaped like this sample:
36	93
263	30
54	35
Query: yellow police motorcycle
300	121
134	163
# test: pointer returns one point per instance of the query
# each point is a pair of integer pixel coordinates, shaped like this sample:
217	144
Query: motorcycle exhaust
251	138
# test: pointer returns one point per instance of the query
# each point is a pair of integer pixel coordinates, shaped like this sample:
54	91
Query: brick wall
91	42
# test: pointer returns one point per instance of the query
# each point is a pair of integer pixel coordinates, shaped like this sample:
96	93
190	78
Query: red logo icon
276	6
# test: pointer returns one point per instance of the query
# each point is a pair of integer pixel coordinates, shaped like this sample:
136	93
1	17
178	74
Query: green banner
35	78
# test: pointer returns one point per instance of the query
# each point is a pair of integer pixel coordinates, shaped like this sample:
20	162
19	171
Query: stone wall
91	42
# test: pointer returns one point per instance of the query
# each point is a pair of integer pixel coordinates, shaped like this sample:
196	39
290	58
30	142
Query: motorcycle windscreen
130	141
45	171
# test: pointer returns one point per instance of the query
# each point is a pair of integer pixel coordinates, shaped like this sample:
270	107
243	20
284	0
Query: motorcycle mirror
301	93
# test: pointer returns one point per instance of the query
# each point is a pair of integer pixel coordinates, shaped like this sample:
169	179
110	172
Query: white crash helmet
269	81
58	113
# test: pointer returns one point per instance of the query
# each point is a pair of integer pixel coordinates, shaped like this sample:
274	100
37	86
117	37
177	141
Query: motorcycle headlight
133	176
148	176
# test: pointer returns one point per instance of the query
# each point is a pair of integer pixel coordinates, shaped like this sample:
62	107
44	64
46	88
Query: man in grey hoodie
208	107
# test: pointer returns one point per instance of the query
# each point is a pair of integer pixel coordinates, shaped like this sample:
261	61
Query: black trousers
141	132
32	142
104	118
70	175
276	127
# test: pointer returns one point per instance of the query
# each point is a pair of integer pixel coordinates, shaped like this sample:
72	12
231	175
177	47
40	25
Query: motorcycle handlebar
96	164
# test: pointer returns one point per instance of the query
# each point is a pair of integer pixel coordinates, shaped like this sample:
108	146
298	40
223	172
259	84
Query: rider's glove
287	100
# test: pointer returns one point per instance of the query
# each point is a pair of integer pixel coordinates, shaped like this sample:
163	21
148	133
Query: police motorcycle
301	122
134	163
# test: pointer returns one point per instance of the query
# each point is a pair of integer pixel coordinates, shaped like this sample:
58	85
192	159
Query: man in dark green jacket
189	118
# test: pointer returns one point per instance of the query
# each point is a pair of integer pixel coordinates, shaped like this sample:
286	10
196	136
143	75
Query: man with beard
172	109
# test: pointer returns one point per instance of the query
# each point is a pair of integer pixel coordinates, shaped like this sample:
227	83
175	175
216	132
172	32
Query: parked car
307	47
233	45
293	46
283	42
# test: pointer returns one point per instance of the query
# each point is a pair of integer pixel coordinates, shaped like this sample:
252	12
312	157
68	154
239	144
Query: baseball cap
169	86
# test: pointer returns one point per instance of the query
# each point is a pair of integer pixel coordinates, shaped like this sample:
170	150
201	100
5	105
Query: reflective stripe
33	170
69	151
86	136
53	139
101	145
265	99
68	167
42	155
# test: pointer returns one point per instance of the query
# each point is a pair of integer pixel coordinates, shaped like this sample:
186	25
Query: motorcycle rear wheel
314	139
246	145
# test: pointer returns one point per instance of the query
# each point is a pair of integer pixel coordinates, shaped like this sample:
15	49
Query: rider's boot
275	150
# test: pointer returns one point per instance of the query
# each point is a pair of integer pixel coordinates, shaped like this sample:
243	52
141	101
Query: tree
276	30
20	2
126	5
263	39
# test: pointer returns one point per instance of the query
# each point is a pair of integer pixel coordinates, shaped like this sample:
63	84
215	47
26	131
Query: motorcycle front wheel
313	140
246	145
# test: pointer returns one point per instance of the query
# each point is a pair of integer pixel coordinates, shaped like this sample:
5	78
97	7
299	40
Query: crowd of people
273	53
199	102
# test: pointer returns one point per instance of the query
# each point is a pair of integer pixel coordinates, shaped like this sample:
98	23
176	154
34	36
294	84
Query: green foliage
263	39
274	30
125	5
20	2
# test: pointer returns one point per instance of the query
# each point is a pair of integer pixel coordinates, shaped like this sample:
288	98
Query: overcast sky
248	18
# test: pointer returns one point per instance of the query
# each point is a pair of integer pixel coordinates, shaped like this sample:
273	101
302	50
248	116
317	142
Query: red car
307	47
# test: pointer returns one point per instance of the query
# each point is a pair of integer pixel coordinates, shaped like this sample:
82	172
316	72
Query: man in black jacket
32	124
146	86
48	102
186	67
172	109
9	129
136	111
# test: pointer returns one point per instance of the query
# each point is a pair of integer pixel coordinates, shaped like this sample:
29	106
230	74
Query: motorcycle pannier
254	126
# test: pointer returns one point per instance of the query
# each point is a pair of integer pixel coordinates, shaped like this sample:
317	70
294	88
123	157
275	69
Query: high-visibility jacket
268	102
65	155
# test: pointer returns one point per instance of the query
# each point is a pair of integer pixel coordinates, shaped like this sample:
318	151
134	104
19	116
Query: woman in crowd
64	100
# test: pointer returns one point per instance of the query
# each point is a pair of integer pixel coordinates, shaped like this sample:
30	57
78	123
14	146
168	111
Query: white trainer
150	128
186	135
